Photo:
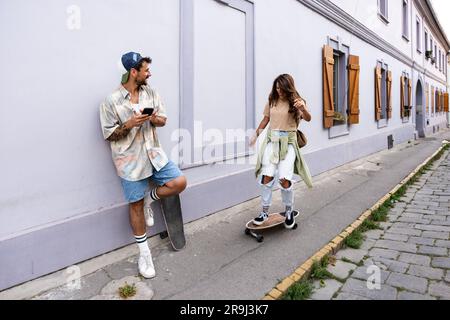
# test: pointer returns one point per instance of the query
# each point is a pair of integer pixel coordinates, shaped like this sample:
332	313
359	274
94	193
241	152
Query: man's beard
141	83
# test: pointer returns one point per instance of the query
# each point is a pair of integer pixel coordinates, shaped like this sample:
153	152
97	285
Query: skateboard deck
274	220
173	218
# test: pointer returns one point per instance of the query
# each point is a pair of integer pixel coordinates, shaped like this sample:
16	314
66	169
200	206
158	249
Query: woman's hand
299	105
253	140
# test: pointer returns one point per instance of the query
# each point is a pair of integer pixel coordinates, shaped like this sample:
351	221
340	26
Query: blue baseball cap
129	60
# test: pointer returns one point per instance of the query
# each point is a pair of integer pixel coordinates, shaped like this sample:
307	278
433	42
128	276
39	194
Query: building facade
373	73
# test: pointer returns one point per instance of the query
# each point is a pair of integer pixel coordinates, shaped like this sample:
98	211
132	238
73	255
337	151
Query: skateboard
275	219
173	219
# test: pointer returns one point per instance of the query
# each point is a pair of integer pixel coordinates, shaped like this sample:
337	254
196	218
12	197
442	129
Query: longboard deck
275	219
173	219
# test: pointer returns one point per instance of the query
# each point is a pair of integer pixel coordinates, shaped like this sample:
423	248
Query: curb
303	272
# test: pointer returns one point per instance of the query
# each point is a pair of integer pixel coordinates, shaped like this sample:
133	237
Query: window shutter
328	104
409	96
427	99
402	97
439	101
446	102
353	76
377	93
389	94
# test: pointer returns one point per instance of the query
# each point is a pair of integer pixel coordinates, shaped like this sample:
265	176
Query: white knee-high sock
142	244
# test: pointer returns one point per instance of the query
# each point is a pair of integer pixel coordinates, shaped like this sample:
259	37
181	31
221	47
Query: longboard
274	220
173	218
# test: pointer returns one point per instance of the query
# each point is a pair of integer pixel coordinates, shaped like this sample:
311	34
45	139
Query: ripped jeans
285	169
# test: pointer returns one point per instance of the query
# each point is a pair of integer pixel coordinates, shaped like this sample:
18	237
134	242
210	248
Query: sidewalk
220	262
409	258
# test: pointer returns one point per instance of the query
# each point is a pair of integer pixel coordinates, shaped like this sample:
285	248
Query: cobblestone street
411	253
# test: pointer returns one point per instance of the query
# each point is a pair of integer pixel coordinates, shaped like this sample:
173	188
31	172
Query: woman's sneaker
290	220
261	219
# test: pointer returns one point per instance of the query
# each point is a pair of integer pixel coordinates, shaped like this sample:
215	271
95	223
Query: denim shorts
135	191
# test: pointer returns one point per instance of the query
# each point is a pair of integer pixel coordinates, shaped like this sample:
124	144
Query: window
436	101
383	9
426	43
405	20
340	88
383	94
435	56
418	35
405	99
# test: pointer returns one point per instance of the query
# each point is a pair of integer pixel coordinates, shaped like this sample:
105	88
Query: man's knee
267	179
178	184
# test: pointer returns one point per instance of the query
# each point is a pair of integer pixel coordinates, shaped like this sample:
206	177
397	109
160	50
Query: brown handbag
301	139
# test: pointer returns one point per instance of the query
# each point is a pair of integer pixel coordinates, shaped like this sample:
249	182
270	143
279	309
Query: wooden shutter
353	90
446	102
389	94
377	93
409	96
402	97
328	103
433	101
439	101
427	98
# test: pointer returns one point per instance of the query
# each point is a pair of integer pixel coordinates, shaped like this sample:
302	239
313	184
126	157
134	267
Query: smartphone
148	111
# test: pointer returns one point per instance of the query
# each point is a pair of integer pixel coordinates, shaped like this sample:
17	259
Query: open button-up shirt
139	153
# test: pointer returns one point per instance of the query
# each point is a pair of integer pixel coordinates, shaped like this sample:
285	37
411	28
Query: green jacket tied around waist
280	149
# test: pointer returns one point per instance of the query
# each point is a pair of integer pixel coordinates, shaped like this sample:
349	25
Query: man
136	150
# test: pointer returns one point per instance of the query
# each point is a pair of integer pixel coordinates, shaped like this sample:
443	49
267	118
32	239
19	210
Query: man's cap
129	60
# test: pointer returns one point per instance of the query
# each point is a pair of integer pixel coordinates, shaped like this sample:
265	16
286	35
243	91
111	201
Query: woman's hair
287	86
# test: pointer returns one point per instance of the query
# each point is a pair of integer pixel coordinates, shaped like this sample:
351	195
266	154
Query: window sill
419	51
338	131
383	123
405	38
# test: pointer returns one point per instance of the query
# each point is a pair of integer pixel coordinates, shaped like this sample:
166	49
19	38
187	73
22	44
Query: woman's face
280	92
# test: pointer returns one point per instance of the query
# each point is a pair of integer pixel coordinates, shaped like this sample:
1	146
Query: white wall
57	165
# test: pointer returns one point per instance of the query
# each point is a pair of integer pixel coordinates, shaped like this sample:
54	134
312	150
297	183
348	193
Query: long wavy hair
287	86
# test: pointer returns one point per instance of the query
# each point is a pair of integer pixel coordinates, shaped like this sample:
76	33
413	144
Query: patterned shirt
138	153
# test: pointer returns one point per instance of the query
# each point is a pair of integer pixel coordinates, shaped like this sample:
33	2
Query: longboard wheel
247	231
163	235
260	239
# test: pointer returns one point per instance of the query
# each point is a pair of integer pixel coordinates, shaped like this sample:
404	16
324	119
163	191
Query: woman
280	151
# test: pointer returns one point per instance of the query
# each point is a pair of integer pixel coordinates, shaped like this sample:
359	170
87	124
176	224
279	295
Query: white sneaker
146	267
148	212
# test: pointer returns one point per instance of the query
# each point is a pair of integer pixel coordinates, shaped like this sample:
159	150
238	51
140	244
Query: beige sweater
280	118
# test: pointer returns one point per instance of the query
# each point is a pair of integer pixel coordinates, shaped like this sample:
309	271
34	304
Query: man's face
143	74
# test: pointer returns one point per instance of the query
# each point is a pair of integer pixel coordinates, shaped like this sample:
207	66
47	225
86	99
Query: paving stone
349	296
360	288
433	228
401	225
406	231
368	244
374	234
361	273
122	269
392	265
440	289
143	290
415	220
406	295
396	245
426	272
384	253
354	255
341	269
415	259
435	251
326	292
447	277
436	235
395	237
420	240
90	285
407	282
440	262
442	243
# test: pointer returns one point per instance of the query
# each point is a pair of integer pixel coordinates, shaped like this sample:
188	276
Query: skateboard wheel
260	239
163	235
295	226
247	232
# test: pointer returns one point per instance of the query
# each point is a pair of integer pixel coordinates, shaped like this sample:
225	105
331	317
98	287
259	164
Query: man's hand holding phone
137	120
